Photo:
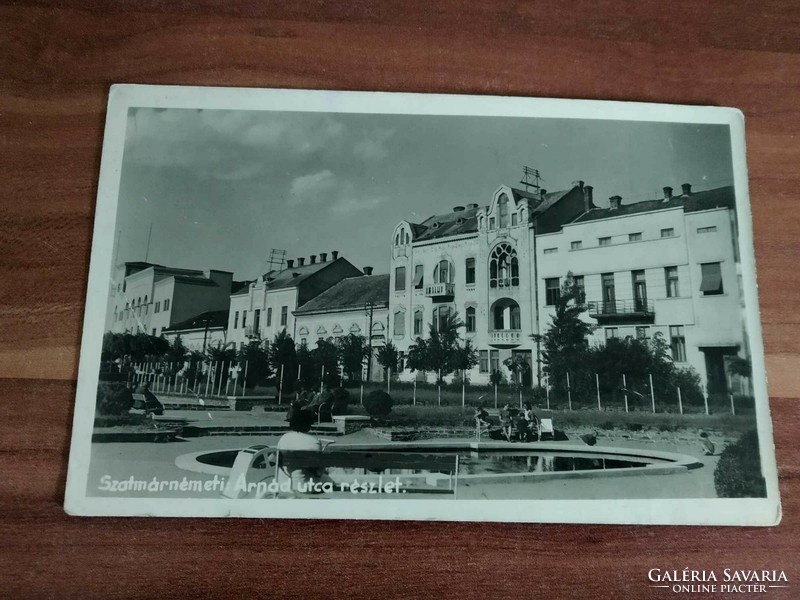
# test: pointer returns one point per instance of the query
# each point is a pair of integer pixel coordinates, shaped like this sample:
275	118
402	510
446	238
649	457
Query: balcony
622	311
440	290
505	337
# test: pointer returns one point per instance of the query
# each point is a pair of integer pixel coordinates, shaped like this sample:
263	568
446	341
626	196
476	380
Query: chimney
312	259
588	204
290	263
472	206
616	202
323	257
301	261
577	184
458	208
367	270
667	193
334	254
687	189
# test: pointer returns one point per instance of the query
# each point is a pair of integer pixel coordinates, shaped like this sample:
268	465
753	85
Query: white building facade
668	266
478	262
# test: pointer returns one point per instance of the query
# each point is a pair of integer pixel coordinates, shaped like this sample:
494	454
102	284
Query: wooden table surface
57	60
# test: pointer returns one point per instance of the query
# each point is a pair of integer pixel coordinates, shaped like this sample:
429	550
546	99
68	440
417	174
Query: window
303	341
711	285
491	222
146	308
470	271
443	272
440	317
503	267
612	333
494	360
399	279
516	319
154	332
502	210
399	324
671	279
418	322
158	307
483	361
604	241
418	276
470	319
552	290
641	334
550	250
236	319
257	320
244	319
677	343
576	245
711	229
284	315
514	219
635	237
269	317
668	232
578	282
639	291
166	304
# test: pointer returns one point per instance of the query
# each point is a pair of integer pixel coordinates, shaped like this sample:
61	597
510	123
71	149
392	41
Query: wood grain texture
57	60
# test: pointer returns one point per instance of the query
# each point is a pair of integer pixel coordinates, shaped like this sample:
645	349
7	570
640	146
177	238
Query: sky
223	188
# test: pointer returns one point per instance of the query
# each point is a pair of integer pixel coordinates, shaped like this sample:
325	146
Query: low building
208	329
357	305
153	297
266	306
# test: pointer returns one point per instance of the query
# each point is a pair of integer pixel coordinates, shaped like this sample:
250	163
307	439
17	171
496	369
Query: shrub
378	404
341	399
111	400
738	473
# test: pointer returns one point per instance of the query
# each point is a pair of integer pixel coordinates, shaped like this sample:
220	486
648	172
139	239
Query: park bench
370	460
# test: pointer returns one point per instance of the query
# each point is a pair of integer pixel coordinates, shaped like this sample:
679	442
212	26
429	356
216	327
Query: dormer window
502	211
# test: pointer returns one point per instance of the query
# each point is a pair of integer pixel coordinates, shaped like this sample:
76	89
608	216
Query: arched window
397	239
502	211
443	272
503	267
408	238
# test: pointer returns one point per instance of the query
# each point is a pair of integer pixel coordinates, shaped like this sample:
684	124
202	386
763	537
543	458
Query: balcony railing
621	309
505	337
436	290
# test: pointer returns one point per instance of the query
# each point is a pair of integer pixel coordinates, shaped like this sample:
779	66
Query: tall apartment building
151	297
666	265
266	306
478	261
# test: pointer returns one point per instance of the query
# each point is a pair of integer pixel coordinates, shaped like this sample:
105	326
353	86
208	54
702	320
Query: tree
220	358
255	357
564	343
283	353
442	345
519	368
309	376
464	358
388	357
326	356
417	355
353	350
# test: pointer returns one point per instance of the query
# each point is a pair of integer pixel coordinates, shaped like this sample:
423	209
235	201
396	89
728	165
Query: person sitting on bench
152	406
299	438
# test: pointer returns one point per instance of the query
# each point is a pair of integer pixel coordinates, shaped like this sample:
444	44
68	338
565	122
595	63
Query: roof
722	197
350	293
215	318
290	278
466	221
239	286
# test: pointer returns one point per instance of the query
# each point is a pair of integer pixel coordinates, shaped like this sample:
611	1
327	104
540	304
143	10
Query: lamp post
369	309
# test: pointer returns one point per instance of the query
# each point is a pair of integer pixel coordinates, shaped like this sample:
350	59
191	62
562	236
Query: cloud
353	203
312	187
373	145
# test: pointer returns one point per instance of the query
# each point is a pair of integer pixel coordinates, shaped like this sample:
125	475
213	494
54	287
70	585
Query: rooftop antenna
276	260
530	178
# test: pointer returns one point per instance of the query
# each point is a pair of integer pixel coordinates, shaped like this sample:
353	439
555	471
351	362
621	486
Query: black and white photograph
404	306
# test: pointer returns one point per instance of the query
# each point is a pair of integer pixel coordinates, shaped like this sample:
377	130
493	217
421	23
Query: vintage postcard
406	306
